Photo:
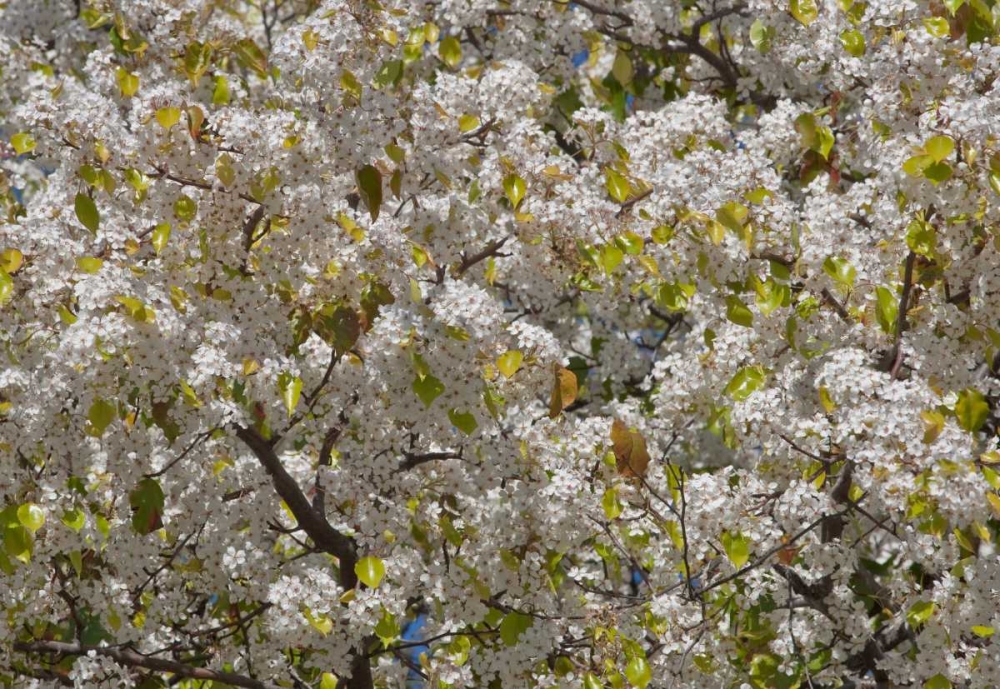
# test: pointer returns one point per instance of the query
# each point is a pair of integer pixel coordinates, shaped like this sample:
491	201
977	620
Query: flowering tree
624	343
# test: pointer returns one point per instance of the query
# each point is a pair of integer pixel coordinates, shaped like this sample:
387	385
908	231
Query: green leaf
251	56
290	388
86	212
804	11
920	612
921	237
128	83
6	287
370	571
772	295
915	165
428	389
591	681
853	42
737	548
761	37
510	362
450	51
387	630
102	413
824	141
618	187
841	271
622	69
89	264
971	410
514	187
18	543
886	309
22	143
513	625
732	216
31	516
939	148
74	519
938	681
328	681
220	92
463	421
938	172
161	235
746	381
611	504
389	74
370	188
638	673
338	326
146	501
610	258
185	208
738	312
937	27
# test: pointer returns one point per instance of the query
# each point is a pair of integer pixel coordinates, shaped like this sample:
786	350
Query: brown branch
491	249
412	461
901	324
837	306
131	658
325	537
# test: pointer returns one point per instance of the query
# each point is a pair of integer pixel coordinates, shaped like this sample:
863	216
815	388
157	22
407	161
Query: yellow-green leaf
618	187
450	51
290	388
939	148
370	188
86	212
971	410
89	264
370	571
11	260
101	414
31	516
22	143
737	548
622	68
128	83
564	391
515	188
853	42
161	235
509	362
804	11
167	117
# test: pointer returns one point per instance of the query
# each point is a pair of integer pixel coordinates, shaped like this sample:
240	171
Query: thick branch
132	659
314	524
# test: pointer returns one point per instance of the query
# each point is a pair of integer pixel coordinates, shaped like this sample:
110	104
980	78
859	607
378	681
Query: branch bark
131	658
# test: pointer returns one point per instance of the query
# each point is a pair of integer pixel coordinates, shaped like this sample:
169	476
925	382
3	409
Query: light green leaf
428	389
638	673
510	362
971	410
161	235
328	681
939	148
370	571
737	548
920	612
611	504
937	27
841	271
886	309
622	69
290	388
824	141
86	212
746	381
938	681
102	413
853	42
804	11
610	258
22	143
450	51
921	237
514	187
618	187
31	516
761	36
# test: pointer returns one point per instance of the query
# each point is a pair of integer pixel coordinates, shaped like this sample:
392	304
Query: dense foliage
623	343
